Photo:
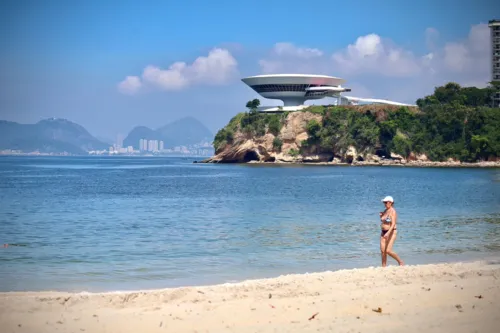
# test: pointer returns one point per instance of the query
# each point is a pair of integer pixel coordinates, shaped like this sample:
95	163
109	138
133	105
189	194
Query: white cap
388	199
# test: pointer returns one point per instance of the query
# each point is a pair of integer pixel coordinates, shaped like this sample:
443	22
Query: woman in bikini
389	231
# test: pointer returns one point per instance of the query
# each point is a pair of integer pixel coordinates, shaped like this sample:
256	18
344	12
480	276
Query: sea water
122	223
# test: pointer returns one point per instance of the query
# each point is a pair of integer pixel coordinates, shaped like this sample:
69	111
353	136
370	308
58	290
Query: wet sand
458	297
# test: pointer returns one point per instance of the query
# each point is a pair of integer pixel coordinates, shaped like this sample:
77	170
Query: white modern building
295	89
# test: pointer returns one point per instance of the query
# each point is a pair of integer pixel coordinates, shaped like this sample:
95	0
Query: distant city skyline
146	146
113	68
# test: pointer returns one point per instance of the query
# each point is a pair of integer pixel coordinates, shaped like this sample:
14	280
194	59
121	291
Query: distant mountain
140	132
49	136
182	132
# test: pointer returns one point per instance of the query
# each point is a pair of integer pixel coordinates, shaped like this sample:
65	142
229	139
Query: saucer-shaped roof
293	79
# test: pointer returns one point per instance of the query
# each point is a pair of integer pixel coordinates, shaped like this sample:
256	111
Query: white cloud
286	57
392	71
173	78
369	45
130	85
218	67
456	56
371	55
471	55
288	49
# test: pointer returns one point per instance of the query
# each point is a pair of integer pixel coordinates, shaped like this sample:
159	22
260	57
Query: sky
113	65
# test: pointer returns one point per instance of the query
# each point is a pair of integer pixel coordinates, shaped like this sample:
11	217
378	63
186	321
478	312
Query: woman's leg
383	252
390	243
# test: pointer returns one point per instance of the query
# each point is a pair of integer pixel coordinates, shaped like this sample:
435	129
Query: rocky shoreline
290	146
386	163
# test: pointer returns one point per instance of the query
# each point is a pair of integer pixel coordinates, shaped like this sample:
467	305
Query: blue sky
67	58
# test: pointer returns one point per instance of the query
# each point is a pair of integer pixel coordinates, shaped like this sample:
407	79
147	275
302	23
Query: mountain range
182	132
56	135
52	135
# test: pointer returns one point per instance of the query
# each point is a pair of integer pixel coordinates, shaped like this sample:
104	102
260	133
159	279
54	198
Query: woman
389	231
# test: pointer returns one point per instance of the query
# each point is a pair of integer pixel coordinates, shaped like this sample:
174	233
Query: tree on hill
253	105
494	84
453	93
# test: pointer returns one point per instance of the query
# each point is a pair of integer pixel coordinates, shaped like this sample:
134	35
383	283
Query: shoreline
488	260
431	296
410	164
485	258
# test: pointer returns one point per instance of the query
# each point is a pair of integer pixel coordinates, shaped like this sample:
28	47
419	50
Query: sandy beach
458	297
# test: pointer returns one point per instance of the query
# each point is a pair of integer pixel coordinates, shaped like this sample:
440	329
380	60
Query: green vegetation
454	122
277	144
251	123
274	124
293	152
257	124
253	105
316	109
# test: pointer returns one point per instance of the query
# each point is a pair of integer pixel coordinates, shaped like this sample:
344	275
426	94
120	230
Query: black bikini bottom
385	231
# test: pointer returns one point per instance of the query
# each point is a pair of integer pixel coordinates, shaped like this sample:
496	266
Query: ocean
129	223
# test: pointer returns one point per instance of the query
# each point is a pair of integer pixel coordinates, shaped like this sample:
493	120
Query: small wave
321	176
41	176
196	176
97	166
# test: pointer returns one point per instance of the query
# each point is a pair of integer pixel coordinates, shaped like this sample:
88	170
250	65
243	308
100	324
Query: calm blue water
115	223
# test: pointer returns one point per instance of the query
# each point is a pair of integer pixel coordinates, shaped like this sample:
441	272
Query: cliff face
363	135
247	148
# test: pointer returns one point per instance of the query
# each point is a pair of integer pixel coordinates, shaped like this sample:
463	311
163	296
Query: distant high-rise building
144	144
150	145
495	57
155	145
141	144
119	141
161	146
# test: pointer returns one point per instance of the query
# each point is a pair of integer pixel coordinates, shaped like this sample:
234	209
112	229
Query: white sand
428	298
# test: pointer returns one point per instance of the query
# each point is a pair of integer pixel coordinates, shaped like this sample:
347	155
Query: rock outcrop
291	145
252	148
246	151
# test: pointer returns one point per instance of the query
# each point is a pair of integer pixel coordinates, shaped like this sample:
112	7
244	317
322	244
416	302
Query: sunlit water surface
98	224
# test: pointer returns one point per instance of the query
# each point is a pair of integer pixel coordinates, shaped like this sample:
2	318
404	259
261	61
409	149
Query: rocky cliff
364	135
247	148
289	145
